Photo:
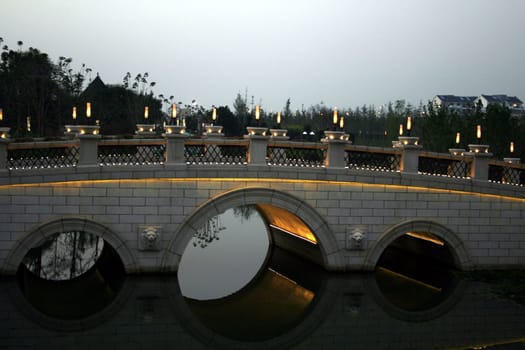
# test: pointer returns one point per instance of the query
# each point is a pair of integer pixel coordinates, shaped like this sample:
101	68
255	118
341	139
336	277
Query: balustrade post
410	153
480	161
335	154
88	150
175	137
258	146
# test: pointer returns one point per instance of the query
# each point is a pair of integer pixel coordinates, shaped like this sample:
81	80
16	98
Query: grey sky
344	52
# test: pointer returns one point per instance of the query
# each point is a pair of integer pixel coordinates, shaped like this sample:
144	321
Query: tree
28	90
241	109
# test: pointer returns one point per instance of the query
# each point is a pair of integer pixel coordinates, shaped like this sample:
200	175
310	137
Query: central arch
332	257
459	253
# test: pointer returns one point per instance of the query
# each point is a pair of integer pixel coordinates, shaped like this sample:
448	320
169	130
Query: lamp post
4	131
212	130
278	133
145	129
175	135
410	147
457	151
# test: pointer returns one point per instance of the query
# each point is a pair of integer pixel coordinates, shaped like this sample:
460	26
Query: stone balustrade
258	148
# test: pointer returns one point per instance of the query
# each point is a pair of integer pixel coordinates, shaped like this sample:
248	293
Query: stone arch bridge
147	197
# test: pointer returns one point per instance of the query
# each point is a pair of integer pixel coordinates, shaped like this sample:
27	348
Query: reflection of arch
452	296
457	249
321	308
69	325
45	230
331	254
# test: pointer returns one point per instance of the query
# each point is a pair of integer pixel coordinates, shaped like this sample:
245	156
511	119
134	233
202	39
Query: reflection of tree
64	255
209	232
244	212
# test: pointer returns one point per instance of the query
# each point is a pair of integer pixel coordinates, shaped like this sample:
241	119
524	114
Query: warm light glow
458	138
278	117
146	112
334	116
478	132
88	109
257	112
413	280
74	113
409	123
214	114
28	122
426	237
511	147
1	114
287	222
174	111
342	122
358	185
400	129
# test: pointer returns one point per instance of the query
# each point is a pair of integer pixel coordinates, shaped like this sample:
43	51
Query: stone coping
256	172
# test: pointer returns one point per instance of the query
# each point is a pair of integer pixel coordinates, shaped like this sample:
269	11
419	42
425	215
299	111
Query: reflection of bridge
148	197
340	311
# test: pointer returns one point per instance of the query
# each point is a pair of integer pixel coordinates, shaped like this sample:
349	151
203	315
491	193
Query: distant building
467	103
94	88
454	103
512	102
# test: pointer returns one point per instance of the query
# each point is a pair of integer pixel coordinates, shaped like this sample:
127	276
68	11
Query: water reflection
274	303
64	255
71	275
289	305
224	255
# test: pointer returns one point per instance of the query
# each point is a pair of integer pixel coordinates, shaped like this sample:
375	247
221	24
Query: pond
236	290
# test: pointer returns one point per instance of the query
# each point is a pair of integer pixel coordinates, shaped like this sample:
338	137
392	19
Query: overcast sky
345	53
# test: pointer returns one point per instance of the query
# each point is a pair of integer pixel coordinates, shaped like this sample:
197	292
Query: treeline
37	97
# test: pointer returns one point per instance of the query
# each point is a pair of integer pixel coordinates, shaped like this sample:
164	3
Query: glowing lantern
88	110
458	138
174	111
74	113
146	112
478	132
257	113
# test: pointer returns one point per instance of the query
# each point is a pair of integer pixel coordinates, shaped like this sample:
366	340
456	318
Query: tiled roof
456	99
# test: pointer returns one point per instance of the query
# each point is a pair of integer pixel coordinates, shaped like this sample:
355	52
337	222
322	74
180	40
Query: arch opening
291	224
70	273
419	261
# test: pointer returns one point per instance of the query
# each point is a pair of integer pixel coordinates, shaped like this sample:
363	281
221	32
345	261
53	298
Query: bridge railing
442	164
42	155
215	151
506	173
299	154
372	158
94	151
131	152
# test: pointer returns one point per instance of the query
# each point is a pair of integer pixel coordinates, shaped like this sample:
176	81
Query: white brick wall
491	227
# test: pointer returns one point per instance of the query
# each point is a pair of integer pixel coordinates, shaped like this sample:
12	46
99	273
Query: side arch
33	237
331	253
460	254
